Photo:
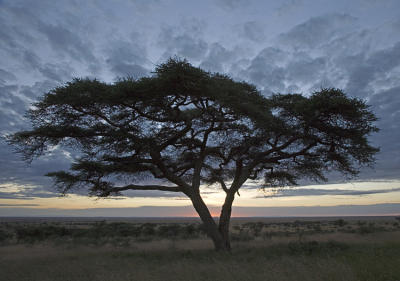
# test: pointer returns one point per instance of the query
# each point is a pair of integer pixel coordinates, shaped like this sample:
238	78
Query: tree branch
156	156
147	187
200	160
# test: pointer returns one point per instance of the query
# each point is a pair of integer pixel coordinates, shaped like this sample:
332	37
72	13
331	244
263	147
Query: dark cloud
59	33
14	101
15	171
318	30
386	104
329	51
364	71
52	71
155	193
12	108
184	41
304	69
129	70
65	41
27	194
33	192
320	211
320	192
185	211
127	57
266	75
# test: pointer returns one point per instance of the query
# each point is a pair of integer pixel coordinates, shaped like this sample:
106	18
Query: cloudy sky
288	46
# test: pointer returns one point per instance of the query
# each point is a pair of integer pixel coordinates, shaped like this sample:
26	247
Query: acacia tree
187	128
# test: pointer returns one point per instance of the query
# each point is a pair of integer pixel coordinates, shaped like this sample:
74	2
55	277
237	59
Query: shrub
340	222
4	235
40	233
311	247
242	236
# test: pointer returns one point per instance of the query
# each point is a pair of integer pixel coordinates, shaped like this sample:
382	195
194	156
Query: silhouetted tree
188	128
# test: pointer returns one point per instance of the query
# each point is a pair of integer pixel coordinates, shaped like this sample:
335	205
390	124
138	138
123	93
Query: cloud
53	71
233	4
317	31
18	205
32	188
217	58
386	104
65	41
45	44
320	211
25	195
126	58
264	73
363	70
289	6
183	41
129	70
155	193
321	192
252	30
188	211
6	76
303	69
333	51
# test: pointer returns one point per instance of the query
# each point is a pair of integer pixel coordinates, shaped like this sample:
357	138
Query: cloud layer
188	211
284	46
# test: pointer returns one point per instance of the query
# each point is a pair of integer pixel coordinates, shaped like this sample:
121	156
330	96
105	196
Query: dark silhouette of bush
40	233
4	235
340	222
312	247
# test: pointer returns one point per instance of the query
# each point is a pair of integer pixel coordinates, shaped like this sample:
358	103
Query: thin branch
223	185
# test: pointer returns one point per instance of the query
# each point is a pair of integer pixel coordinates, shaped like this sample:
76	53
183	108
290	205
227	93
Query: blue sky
280	46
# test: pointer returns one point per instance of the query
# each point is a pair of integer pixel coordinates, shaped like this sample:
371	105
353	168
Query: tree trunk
224	219
211	228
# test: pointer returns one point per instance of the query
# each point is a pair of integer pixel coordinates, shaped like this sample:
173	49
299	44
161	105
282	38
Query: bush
40	233
146	229
340	222
4	235
311	247
171	230
317	227
242	236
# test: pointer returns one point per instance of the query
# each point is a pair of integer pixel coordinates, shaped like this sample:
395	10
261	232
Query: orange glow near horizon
250	198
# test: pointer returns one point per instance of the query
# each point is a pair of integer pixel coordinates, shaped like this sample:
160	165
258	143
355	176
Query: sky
288	46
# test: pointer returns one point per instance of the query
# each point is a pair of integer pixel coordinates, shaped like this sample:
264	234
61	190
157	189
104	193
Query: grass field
263	249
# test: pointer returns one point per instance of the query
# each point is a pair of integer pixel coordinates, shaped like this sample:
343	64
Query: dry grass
314	256
277	262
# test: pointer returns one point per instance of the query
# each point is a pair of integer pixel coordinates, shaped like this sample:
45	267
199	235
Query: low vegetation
334	249
101	232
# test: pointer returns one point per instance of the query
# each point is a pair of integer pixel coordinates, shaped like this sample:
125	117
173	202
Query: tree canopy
184	128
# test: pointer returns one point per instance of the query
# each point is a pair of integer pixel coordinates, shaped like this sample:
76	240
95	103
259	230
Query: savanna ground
357	248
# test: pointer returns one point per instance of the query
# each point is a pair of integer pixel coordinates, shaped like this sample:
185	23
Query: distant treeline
122	232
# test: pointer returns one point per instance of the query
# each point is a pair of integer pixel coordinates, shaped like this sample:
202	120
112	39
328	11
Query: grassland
263	249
